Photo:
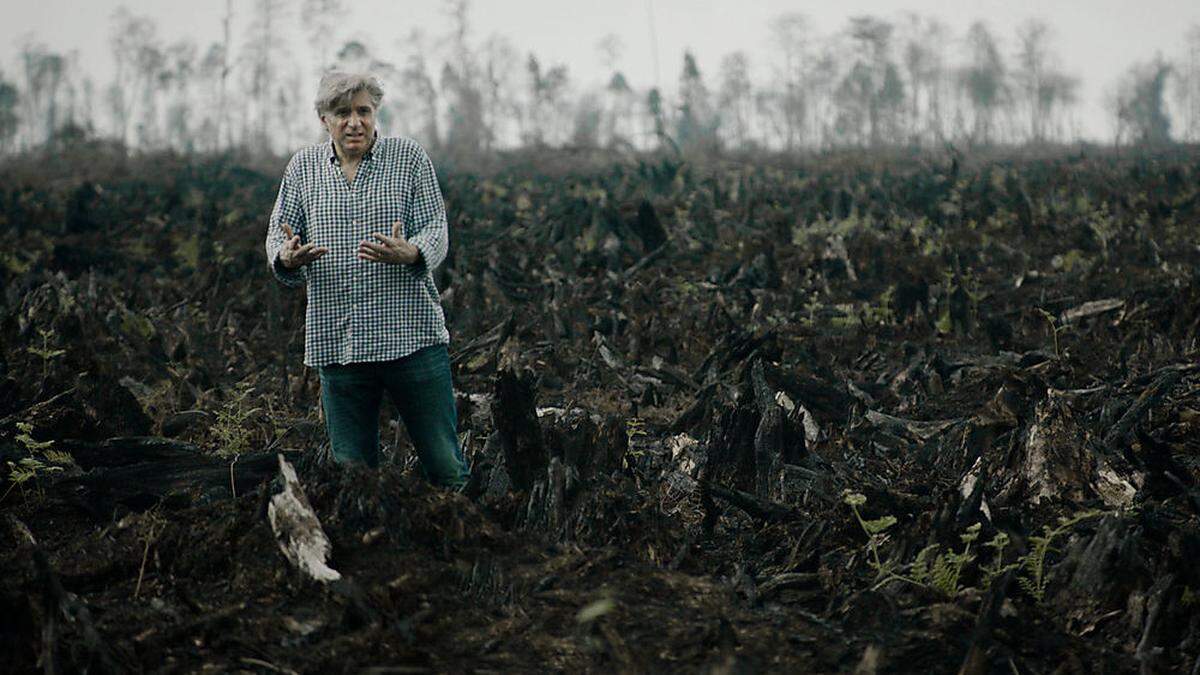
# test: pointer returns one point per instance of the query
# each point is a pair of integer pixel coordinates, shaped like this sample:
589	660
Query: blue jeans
419	384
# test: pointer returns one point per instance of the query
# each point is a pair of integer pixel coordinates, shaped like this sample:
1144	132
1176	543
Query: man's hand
294	256
394	250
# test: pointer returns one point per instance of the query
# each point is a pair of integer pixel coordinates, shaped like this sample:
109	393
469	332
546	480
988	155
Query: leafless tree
177	83
1140	109
264	49
467	132
222	112
983	83
44	73
924	63
210	72
871	94
321	20
10	100
791	34
418	87
1187	89
735	98
547	96
1042	88
501	73
697	122
619	98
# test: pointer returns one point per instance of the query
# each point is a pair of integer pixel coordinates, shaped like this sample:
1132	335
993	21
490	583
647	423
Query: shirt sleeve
427	215
289	210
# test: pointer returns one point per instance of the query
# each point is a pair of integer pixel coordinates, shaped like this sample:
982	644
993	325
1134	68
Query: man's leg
350	396
420	385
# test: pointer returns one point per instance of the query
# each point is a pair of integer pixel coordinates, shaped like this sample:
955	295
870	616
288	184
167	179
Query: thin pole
653	41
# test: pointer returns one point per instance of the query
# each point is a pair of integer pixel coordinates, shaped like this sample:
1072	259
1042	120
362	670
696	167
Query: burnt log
126	450
143	484
755	507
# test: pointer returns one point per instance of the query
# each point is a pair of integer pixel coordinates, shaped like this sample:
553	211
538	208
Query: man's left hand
394	250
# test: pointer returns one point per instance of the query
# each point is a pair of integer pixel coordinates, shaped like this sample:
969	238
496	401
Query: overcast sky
1096	39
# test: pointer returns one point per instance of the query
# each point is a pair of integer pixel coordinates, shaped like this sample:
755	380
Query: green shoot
1033	565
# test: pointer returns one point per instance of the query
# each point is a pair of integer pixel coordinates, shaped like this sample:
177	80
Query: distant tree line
874	83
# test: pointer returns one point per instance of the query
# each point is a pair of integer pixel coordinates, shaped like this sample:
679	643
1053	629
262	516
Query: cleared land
718	416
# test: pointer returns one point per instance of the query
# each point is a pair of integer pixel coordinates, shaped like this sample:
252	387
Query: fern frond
919	569
59	457
944	575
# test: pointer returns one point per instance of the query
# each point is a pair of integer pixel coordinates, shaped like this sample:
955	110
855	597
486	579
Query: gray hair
338	87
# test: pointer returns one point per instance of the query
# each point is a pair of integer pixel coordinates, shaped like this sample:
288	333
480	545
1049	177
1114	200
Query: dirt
712	357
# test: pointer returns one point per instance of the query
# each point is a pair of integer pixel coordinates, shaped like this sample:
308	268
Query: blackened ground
670	375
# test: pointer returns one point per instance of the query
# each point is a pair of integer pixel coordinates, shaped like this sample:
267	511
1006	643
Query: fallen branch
29	411
782	582
1123	429
646	260
297	529
915	428
1090	309
756	507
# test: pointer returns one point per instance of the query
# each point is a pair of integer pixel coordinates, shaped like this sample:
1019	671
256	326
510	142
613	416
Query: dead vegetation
902	415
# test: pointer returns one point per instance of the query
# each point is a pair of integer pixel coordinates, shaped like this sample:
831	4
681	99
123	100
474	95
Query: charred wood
514	414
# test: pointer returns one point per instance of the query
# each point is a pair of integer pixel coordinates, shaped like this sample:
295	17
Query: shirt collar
331	151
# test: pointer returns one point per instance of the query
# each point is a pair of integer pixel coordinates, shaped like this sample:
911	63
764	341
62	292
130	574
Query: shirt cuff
289	278
429	250
423	252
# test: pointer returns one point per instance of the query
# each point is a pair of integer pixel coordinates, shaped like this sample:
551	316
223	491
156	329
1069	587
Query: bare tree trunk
221	125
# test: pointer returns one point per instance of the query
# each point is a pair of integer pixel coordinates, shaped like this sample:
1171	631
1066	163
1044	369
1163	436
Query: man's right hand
294	256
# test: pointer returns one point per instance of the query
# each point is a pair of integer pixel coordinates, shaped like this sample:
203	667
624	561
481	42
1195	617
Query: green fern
884	571
60	457
29	469
920	568
1189	598
231	430
946	571
997	568
943	576
941	572
879	525
25	438
25	471
1033	565
46	353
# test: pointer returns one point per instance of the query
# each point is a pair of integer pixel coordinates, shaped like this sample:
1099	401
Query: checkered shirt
361	311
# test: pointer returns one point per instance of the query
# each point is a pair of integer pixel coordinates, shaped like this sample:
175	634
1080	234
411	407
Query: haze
1095	41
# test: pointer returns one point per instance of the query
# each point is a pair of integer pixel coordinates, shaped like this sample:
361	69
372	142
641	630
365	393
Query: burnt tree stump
515	416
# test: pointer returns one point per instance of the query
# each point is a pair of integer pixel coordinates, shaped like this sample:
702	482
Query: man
360	222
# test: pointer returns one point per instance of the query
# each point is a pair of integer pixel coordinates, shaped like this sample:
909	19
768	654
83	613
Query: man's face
351	125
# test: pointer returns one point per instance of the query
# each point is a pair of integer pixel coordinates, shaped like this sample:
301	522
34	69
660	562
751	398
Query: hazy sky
1096	39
